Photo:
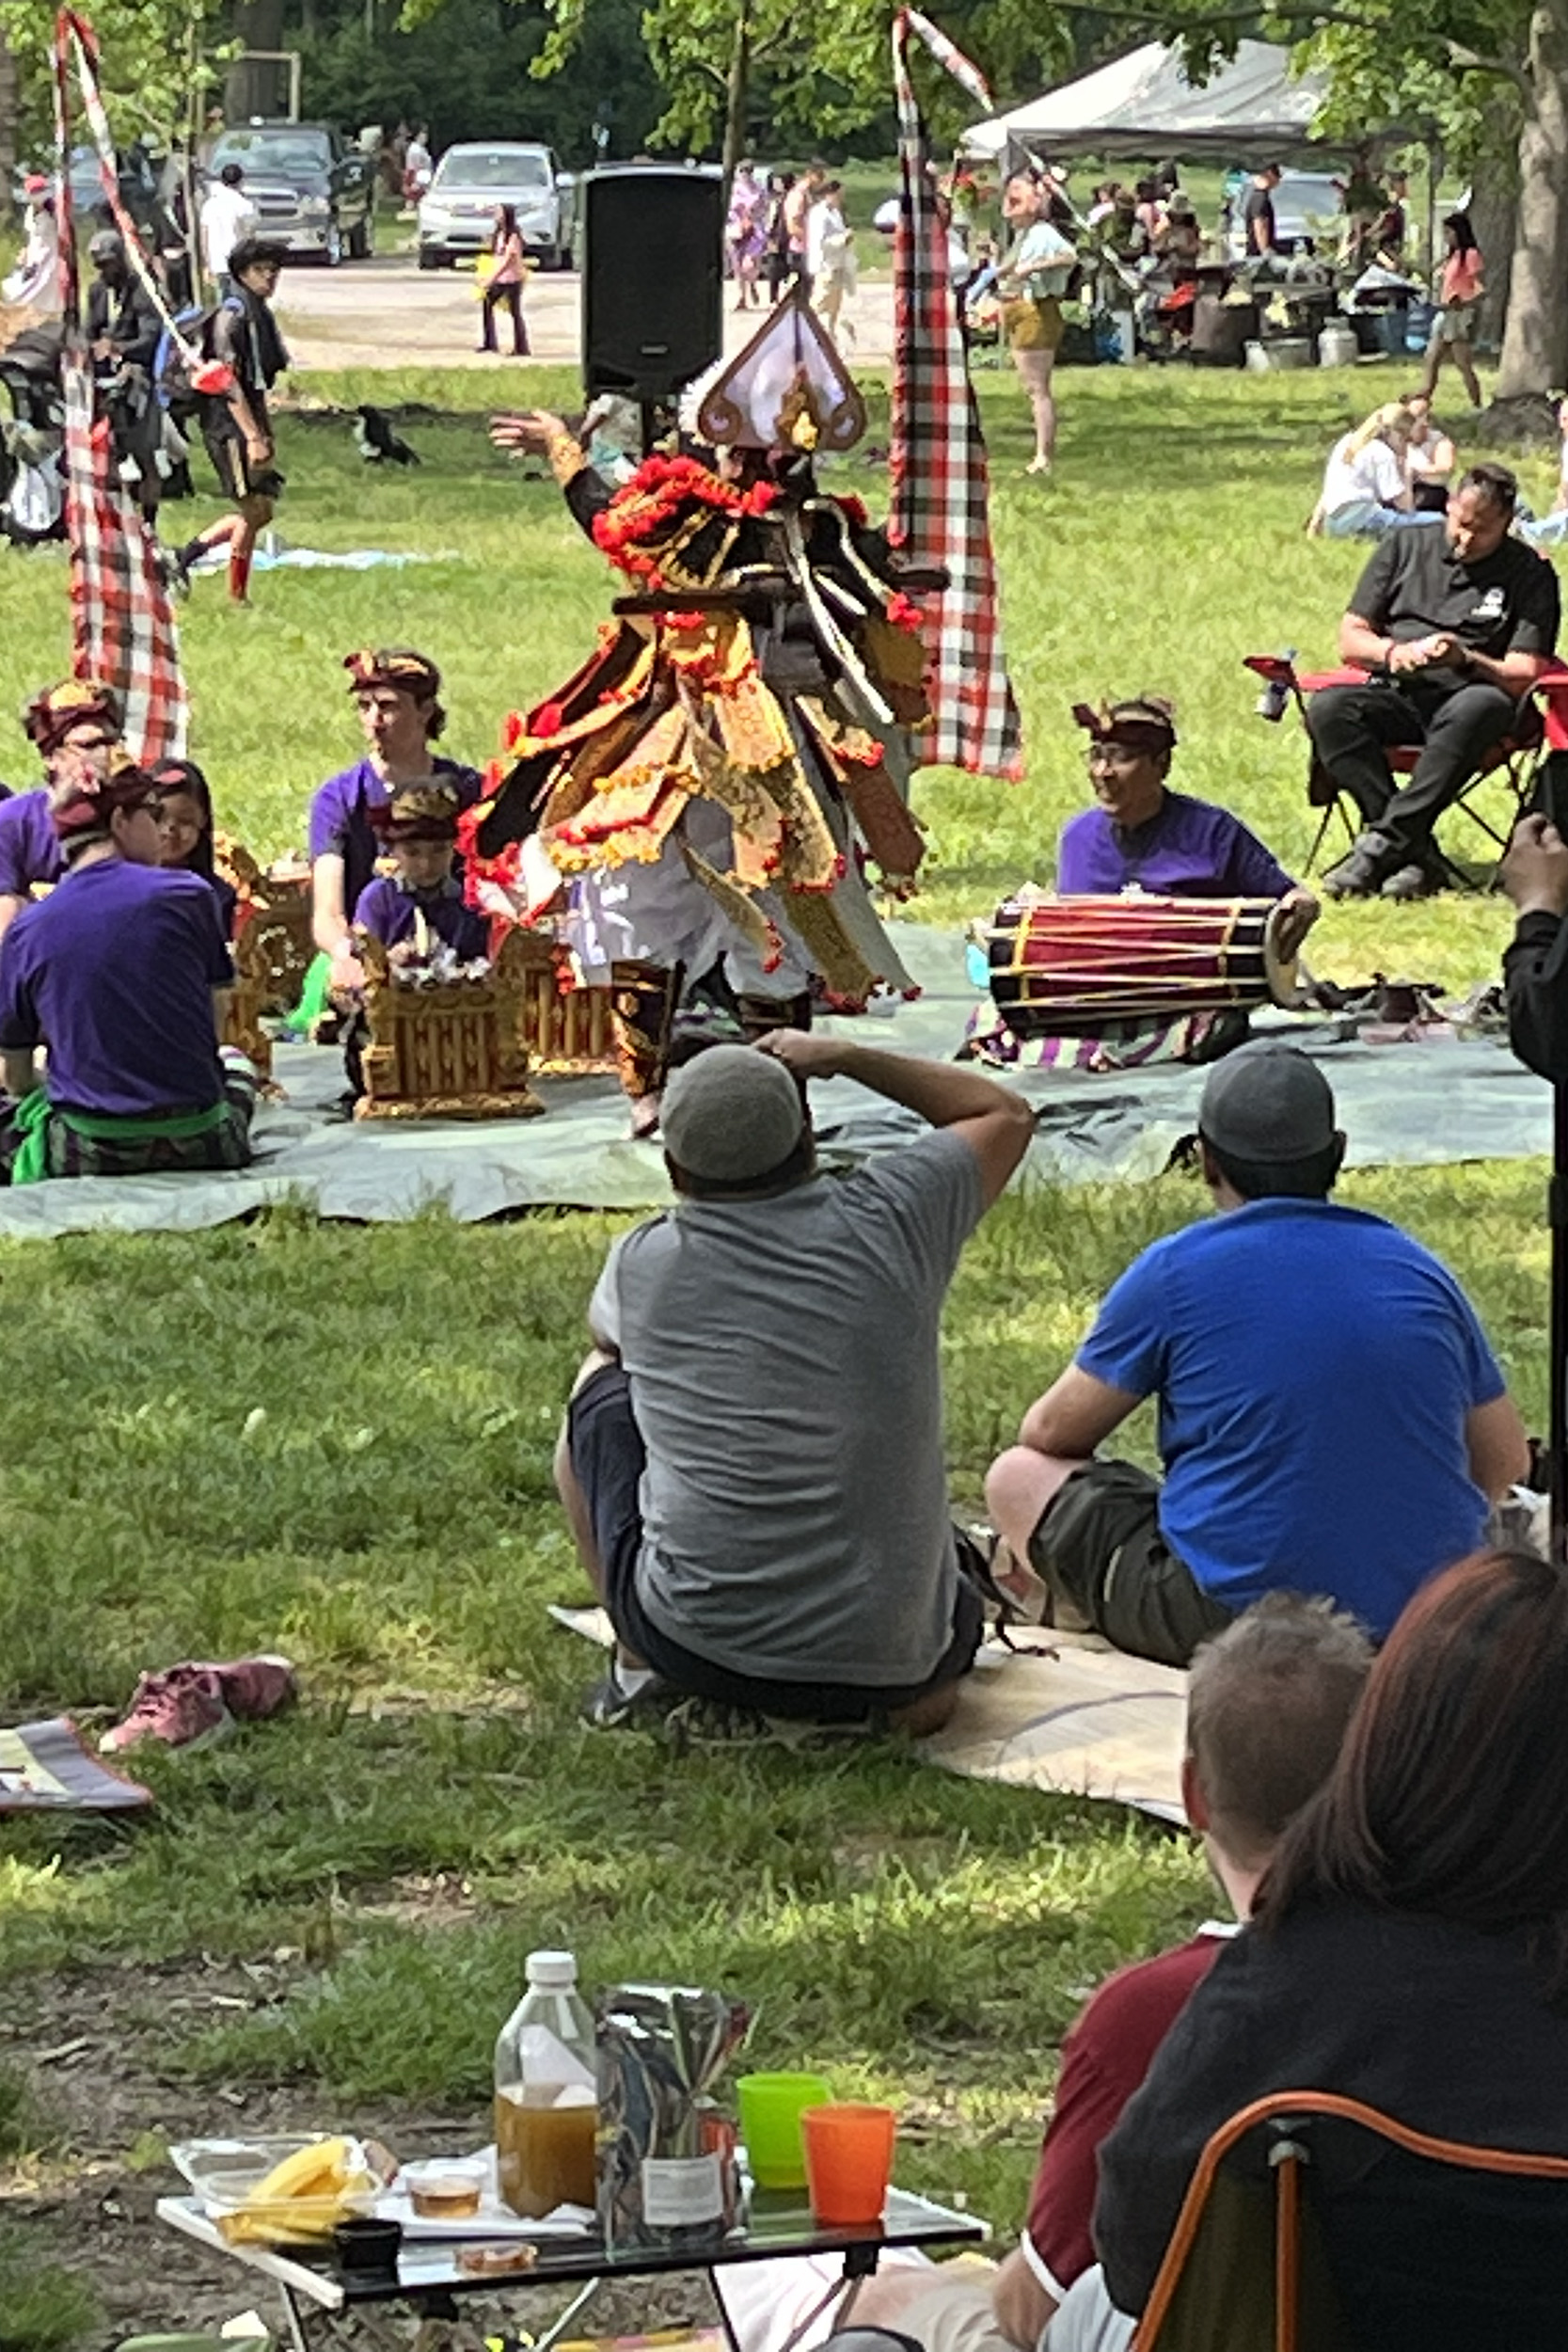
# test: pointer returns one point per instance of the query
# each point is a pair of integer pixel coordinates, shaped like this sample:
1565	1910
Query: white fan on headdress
790	387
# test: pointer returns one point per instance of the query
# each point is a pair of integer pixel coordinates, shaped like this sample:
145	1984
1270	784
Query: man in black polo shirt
1452	628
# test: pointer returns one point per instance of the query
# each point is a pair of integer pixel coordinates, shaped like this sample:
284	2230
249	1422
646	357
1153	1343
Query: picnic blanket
1063	1711
46	1768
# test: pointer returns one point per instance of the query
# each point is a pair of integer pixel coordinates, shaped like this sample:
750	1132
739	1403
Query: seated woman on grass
185	831
1366	488
119	972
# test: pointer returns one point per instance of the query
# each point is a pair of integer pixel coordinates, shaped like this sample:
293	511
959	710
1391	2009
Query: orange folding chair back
1466	2247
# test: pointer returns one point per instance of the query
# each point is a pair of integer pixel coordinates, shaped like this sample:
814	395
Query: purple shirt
387	908
341	822
113	971
1189	849
29	846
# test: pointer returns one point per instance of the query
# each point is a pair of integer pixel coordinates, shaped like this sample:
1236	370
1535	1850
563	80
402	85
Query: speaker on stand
652	279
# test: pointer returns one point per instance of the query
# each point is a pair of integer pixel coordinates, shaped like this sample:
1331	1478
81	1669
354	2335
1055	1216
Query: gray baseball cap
731	1115
1267	1103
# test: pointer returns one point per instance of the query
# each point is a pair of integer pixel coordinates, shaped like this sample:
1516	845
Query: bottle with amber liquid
547	2094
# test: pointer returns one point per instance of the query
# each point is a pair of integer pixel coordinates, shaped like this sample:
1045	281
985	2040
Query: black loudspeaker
652	279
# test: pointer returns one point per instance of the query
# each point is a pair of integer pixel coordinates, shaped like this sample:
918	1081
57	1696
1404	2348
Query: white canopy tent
1143	105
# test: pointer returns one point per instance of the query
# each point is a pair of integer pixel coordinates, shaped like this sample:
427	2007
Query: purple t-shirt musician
387	908
1188	849
340	820
29	846
113	971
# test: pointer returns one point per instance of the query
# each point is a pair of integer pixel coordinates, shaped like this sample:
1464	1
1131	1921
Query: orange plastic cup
848	2161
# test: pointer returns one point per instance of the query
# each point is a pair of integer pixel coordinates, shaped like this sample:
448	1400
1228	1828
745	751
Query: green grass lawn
337	1442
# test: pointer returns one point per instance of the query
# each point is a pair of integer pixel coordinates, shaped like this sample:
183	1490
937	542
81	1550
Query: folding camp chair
1513	757
1449	2248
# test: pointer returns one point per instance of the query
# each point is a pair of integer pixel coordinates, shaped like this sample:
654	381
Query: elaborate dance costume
707	784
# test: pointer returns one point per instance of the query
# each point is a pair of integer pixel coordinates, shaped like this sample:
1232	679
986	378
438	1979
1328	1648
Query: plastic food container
224	2174
444	2188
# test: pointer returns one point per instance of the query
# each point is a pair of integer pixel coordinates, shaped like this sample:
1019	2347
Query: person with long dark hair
184	812
1460	290
503	288
1408	1948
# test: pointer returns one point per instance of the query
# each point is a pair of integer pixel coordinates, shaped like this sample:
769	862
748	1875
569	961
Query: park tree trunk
1535	337
1494	217
737	91
9	104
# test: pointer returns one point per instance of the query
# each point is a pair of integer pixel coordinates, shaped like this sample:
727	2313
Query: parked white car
457	211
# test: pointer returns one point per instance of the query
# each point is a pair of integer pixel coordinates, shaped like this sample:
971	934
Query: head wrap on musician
55	713
1143	721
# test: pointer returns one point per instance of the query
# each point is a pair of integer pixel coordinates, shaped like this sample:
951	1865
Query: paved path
390	313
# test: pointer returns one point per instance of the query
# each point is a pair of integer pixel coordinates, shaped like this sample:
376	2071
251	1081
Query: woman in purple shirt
1140	835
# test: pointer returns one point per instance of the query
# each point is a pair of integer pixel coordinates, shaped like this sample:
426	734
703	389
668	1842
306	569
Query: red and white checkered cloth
122	628
941	492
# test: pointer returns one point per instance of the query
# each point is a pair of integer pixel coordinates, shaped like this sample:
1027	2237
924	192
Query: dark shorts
608	1459
232	468
1099	1546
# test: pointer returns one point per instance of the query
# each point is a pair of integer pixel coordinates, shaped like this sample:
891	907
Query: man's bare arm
994	1123
1076	1414
1498	1447
22	1074
1021	2305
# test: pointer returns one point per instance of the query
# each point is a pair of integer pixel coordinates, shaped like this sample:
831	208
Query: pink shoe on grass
188	1705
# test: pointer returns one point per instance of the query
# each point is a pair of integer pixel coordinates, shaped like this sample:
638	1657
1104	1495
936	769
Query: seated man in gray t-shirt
752	1457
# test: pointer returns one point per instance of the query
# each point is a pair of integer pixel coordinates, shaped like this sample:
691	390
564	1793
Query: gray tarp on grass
1424	1104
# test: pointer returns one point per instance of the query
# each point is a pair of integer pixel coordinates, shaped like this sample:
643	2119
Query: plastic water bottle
1275	700
547	2094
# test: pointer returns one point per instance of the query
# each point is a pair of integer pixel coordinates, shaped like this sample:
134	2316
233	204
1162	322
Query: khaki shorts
1030	325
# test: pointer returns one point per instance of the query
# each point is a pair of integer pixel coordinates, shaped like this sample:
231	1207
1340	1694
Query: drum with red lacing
1073	967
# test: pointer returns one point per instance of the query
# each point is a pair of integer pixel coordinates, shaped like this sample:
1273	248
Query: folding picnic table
324	2305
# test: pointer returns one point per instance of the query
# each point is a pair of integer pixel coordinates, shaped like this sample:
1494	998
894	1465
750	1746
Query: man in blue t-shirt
1331	1417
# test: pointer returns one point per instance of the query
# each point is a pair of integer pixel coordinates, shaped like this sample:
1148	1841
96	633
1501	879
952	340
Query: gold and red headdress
50	717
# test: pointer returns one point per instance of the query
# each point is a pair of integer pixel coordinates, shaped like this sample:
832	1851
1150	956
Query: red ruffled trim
903	612
854	507
644	508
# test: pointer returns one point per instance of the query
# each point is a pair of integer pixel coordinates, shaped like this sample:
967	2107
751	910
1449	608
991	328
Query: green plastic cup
772	2107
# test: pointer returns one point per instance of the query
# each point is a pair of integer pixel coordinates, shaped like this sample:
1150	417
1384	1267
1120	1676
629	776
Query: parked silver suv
458	208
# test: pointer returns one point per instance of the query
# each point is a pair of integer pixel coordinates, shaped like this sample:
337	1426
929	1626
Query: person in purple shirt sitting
1140	835
421	906
398	694
76	727
119	971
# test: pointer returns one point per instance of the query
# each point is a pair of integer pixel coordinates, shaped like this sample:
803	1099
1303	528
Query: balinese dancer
707	782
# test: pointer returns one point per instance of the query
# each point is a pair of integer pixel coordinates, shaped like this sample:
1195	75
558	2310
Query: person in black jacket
123	331
1534	873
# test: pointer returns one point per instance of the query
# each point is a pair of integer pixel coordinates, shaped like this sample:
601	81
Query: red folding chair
1516	755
